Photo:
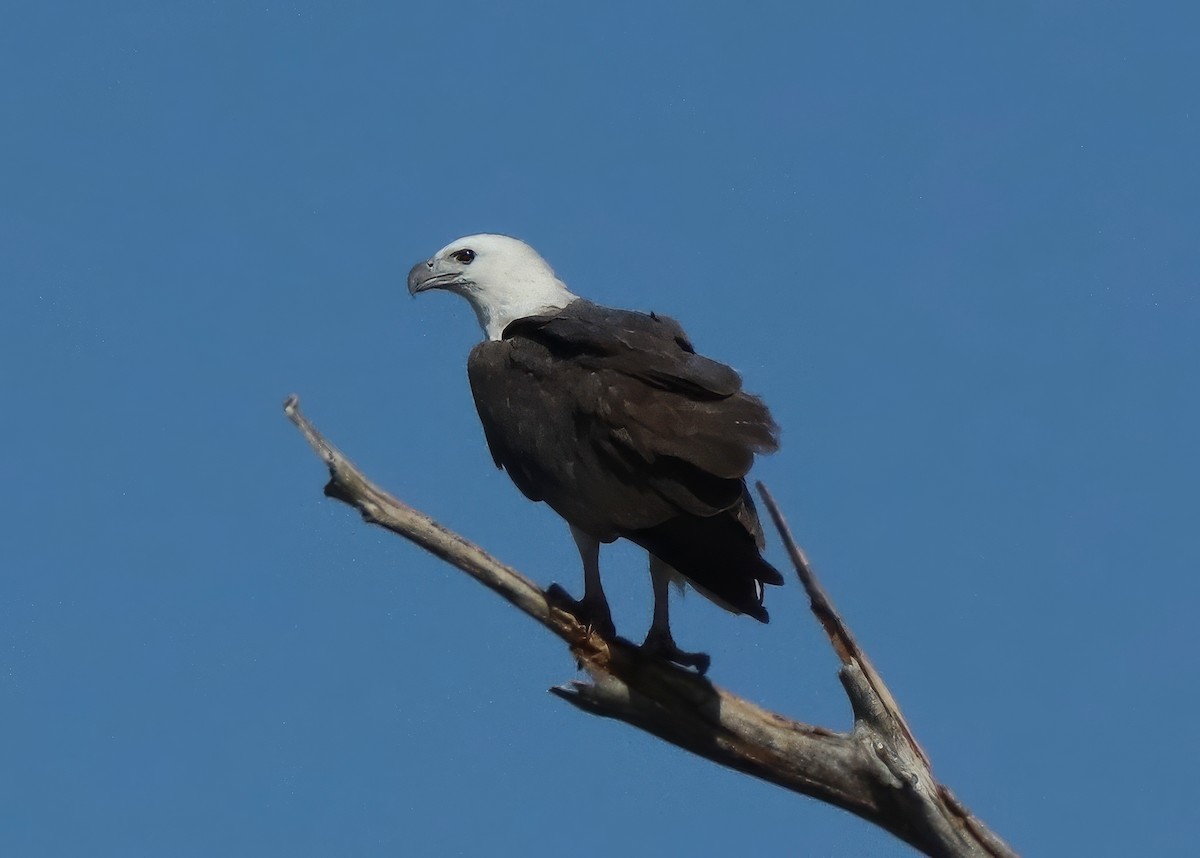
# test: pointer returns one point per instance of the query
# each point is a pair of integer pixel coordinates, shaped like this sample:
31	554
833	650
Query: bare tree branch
877	770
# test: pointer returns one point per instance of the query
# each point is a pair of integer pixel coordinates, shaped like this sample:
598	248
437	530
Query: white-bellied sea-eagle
611	418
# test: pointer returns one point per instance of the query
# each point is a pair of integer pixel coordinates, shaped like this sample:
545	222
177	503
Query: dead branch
877	770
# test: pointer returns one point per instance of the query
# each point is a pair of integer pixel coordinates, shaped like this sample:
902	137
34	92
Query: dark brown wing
611	418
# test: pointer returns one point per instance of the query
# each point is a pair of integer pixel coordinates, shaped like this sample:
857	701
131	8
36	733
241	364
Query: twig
875	707
876	771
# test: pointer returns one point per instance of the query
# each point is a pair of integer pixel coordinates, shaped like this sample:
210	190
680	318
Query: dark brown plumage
611	418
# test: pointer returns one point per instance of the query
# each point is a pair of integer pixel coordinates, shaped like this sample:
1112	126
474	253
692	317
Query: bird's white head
503	278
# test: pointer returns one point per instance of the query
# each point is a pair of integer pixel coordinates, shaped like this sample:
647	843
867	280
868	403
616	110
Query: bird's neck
497	312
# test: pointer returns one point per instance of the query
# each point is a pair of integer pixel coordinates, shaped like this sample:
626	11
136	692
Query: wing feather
611	418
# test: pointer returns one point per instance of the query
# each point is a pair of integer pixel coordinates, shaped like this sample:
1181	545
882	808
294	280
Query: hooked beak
427	275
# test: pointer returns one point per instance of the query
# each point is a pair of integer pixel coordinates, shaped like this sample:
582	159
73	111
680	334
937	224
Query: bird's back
611	418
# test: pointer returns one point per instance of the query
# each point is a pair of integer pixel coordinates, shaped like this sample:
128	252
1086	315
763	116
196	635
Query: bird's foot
662	645
593	613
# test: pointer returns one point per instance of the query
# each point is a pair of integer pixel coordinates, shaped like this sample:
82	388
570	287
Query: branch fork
877	771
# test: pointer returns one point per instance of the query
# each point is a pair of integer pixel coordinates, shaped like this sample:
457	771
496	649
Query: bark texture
876	771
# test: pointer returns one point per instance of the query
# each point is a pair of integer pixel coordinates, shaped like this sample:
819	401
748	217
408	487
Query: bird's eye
463	256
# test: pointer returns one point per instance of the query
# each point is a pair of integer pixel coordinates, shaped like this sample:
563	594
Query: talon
593	615
663	646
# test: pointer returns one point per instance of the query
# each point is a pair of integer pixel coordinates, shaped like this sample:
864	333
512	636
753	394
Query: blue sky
953	246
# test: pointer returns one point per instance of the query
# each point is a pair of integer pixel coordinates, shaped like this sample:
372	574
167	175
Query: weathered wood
876	771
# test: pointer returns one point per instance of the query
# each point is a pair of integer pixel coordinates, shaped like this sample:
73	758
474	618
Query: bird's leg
659	641
593	607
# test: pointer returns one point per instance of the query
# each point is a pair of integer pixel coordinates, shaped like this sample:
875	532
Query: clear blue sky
955	248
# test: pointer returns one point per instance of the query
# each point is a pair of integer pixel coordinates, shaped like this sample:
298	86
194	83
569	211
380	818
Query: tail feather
717	555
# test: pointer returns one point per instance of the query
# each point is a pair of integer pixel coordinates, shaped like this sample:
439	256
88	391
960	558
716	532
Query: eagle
612	419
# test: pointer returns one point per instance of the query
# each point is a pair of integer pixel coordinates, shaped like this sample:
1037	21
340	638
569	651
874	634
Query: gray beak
433	274
421	277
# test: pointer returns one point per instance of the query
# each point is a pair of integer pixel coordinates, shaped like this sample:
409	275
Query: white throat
496	311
